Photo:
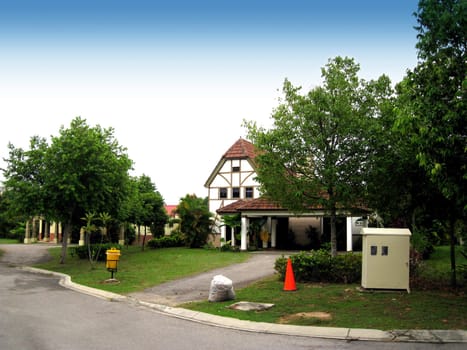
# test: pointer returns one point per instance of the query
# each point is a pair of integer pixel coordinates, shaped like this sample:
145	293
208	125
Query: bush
228	247
82	251
421	244
17	233
167	242
320	266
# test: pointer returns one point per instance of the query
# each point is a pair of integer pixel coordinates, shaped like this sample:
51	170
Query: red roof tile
241	149
265	204
250	204
170	209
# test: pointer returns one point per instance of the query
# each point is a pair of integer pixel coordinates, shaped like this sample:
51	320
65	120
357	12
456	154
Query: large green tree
435	115
320	143
150	207
84	169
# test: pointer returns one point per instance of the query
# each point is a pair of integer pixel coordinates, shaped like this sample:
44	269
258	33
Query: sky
176	79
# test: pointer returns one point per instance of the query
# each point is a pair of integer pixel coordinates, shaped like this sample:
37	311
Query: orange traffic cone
289	283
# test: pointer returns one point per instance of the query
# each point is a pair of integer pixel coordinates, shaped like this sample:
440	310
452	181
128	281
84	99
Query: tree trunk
144	238
452	234
65	235
333	233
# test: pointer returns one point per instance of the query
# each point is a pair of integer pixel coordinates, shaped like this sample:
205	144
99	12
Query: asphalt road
37	313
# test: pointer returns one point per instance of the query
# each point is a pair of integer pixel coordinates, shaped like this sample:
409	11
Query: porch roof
265	206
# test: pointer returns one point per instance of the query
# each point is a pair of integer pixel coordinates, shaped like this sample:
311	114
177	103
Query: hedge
166	242
320	266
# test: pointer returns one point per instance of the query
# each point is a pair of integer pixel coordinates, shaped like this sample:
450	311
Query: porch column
273	233
56	240
232	237
40	237
349	233
81	237
223	235
243	240
34	230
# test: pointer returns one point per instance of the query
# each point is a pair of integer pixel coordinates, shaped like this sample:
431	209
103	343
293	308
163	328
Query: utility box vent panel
385	258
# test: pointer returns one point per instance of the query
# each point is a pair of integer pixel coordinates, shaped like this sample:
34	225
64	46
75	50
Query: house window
236	192
235	169
223	192
249	192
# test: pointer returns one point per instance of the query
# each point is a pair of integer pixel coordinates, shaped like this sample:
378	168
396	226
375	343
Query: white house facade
233	190
233	178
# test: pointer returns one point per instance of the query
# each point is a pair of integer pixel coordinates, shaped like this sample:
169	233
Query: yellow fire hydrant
113	256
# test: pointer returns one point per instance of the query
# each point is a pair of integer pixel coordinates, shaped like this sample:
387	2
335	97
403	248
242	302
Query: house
171	225
233	178
233	190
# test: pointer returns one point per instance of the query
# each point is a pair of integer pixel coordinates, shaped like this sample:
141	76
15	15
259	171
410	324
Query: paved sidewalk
260	265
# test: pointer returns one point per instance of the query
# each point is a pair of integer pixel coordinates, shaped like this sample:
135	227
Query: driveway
25	254
196	288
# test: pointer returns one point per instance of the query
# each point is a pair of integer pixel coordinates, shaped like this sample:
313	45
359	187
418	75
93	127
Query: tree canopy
434	113
84	169
148	205
320	144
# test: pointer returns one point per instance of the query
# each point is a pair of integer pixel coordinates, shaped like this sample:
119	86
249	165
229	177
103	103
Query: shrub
228	247
166	242
82	251
320	266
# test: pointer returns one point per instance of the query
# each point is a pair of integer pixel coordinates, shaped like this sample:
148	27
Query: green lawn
139	270
8	241
347	305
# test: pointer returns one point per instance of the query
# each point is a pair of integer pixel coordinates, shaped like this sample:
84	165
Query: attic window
235	169
223	192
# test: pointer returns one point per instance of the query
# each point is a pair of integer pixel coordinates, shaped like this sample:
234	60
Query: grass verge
8	241
347	306
139	270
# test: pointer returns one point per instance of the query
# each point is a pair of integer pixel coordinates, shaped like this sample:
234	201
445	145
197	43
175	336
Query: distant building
171	226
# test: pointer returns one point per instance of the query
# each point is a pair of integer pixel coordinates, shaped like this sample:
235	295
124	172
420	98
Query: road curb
348	334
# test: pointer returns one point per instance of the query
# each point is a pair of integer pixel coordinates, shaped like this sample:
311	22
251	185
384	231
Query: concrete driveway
196	288
25	254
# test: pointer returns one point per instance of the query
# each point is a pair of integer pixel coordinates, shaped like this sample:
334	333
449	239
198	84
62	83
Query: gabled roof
170	208
241	149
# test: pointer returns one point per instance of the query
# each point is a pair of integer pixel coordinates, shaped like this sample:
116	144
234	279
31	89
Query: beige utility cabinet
385	258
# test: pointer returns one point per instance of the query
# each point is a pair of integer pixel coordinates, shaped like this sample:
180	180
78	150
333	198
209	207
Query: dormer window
235	169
